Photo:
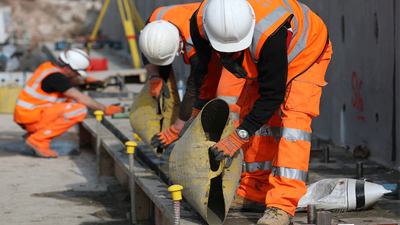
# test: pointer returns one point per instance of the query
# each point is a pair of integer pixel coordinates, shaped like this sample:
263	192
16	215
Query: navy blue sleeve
56	82
272	75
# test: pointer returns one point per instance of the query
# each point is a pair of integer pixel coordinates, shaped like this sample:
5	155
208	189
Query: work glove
158	88
195	112
165	138
93	84
227	148
113	109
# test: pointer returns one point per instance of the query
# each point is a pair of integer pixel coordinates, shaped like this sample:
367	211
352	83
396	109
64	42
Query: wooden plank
106	162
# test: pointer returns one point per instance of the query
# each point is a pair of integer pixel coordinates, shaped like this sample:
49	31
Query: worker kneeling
49	105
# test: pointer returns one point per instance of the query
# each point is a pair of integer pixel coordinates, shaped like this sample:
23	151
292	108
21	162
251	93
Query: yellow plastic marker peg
137	138
99	115
130	147
176	192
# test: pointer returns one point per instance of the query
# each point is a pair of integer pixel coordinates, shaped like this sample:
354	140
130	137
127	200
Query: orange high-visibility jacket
308	43
179	15
32	99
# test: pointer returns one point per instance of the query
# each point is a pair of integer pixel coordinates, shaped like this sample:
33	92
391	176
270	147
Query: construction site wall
360	104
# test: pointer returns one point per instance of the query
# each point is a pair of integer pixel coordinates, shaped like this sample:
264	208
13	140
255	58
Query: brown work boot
275	216
242	203
43	152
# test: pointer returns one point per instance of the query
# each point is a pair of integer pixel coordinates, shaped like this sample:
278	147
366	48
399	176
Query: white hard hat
77	59
159	42
229	24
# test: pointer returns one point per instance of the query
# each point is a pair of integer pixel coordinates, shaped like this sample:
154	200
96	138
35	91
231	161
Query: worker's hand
93	84
90	80
113	109
227	148
165	138
195	112
158	87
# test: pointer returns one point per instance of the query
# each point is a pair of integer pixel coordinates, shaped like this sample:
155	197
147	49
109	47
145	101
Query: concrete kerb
147	180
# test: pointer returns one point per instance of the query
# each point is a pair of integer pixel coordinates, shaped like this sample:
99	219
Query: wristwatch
243	134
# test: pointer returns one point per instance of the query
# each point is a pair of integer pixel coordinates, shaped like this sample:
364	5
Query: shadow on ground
109	212
14	144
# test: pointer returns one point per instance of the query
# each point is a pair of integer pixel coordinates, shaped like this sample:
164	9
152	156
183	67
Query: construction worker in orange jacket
48	105
166	36
282	49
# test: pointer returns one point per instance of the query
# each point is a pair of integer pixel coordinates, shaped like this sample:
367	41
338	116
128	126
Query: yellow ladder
129	15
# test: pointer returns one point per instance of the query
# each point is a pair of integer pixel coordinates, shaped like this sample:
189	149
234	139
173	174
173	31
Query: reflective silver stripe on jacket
32	90
75	112
69	105
263	25
33	93
268	131
37	81
254	166
189	45
161	13
290	134
272	18
295	135
235	116
30	106
228	99
290	173
302	41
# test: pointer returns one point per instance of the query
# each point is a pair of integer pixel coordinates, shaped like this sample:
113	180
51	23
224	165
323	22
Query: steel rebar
132	184
311	214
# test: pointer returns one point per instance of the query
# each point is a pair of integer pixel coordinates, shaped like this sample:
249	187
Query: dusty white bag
341	195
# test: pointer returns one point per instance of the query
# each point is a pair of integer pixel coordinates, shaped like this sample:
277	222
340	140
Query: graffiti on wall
356	100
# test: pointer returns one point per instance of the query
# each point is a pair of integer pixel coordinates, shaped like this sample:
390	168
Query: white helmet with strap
159	41
75	58
229	24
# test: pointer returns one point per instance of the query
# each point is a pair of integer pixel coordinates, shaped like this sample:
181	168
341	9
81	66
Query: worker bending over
282	49
165	37
49	105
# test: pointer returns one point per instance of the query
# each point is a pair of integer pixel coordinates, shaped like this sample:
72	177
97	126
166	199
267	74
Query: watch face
243	134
